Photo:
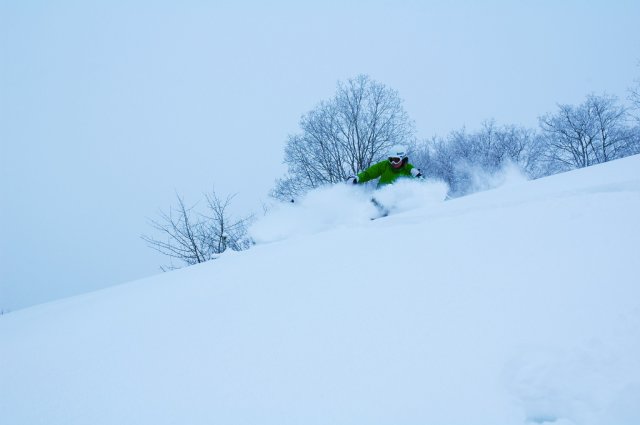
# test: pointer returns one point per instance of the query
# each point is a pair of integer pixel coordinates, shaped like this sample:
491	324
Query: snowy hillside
518	305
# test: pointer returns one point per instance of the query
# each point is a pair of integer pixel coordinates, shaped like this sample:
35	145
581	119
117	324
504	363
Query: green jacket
386	172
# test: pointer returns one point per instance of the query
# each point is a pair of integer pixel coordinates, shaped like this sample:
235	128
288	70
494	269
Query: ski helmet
399	152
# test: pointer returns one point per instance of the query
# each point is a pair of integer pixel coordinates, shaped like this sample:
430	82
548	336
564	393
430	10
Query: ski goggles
395	160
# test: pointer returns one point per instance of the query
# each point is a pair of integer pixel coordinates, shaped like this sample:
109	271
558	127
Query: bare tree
616	138
223	231
192	237
593	132
343	136
458	157
634	97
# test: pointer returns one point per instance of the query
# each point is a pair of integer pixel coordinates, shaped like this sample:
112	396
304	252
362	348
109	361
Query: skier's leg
382	210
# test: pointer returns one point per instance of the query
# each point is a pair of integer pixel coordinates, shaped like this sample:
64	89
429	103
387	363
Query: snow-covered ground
518	305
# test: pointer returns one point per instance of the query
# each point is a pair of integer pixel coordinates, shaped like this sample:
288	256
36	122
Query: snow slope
518	305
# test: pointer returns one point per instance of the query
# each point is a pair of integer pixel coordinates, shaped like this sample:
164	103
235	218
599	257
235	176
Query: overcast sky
108	108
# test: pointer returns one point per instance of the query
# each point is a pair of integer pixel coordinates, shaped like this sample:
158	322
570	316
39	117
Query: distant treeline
354	129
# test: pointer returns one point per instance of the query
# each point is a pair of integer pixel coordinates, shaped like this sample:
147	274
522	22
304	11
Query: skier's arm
371	173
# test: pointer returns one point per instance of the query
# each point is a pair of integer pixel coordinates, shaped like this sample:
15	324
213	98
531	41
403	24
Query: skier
395	167
389	170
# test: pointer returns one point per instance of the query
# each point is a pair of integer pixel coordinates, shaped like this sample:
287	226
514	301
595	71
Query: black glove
352	179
